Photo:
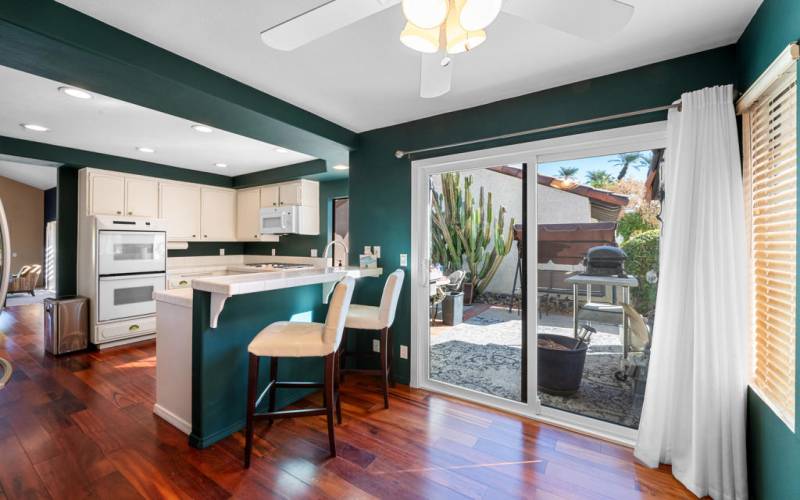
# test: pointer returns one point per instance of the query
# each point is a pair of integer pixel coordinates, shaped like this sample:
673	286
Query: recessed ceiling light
75	92
221	165
203	128
341	167
281	150
144	149
34	127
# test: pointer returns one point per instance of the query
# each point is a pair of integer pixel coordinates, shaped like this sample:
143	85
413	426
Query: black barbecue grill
605	261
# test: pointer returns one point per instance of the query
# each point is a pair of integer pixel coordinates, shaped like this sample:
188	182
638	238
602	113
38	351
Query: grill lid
606	253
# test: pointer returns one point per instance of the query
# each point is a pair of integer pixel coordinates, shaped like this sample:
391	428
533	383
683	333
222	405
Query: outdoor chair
455	280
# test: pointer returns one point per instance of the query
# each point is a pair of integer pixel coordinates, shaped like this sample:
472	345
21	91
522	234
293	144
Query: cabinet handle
119	212
133	328
183	282
194	236
205	236
130	213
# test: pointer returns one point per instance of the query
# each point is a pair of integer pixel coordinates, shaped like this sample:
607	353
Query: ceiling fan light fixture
458	39
478	14
426	14
425	41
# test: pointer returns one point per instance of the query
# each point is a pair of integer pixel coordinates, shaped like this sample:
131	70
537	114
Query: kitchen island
203	333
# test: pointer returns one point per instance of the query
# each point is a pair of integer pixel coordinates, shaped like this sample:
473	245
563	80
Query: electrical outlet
376	251
403	260
376	345
222	251
404	351
273	252
367	250
313	252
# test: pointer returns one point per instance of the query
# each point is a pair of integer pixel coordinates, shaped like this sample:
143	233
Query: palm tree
567	173
599	178
637	160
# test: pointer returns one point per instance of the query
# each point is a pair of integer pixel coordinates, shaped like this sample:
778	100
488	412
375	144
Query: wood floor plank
82	426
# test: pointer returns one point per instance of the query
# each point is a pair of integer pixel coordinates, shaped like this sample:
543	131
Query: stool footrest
295	385
305	412
362	370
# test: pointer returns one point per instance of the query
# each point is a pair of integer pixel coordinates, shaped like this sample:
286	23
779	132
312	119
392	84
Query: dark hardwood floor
82	426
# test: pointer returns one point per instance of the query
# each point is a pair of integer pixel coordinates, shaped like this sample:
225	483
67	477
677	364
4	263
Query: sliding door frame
609	141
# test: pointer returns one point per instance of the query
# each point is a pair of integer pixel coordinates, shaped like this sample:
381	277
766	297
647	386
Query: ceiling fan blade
331	16
590	19
434	78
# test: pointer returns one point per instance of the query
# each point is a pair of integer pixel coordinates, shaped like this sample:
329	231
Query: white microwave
287	219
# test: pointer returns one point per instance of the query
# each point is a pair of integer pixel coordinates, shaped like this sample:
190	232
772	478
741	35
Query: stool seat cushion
291	340
364	318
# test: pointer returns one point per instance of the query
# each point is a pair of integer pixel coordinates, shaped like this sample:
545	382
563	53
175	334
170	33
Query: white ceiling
114	127
363	78
35	173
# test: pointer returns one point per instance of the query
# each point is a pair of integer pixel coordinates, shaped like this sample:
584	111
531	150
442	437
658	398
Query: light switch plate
376	251
367	250
273	252
376	345
313	252
404	351
403	260
222	251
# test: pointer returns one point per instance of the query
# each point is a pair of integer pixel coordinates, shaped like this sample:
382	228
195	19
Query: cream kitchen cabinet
218	214
303	192
106	194
180	206
270	196
141	197
248	204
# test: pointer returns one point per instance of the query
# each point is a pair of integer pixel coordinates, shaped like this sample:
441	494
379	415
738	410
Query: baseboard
132	340
181	424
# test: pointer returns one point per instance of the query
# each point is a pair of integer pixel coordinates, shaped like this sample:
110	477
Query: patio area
484	353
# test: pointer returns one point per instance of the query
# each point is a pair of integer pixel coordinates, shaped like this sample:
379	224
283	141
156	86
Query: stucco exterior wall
555	207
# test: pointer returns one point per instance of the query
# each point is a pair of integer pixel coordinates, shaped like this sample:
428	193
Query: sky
593	163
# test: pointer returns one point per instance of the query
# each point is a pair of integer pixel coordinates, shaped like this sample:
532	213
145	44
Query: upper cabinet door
180	207
248	204
270	196
141	197
106	194
218	214
291	194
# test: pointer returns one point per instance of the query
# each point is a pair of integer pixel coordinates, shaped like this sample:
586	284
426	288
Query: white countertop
275	280
176	296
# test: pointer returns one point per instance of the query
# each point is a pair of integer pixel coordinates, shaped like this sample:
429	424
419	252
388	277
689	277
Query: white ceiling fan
442	28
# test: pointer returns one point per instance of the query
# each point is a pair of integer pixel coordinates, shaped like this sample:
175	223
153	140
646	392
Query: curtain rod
401	153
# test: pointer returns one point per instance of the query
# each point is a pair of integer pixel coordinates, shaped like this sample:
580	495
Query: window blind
770	179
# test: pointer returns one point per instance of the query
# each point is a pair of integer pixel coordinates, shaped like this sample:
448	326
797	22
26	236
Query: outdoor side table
594	311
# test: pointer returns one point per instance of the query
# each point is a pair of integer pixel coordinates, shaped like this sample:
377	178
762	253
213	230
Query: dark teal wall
380	189
773	449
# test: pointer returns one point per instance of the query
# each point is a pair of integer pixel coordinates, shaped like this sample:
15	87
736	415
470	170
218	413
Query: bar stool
285	339
376	318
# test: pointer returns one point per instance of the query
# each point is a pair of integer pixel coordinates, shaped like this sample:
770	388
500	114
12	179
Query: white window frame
610	141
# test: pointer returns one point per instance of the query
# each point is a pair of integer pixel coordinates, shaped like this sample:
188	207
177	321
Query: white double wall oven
131	265
529	155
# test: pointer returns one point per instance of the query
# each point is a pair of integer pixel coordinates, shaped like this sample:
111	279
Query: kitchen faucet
329	246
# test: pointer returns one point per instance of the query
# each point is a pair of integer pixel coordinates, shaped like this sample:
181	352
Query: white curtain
694	407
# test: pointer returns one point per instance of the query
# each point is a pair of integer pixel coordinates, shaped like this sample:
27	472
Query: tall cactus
466	233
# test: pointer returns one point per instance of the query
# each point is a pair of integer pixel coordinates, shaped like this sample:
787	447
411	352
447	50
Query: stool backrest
390	296
337	313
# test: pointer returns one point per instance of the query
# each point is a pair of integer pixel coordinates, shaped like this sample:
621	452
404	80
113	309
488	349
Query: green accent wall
773	449
380	184
48	39
67	230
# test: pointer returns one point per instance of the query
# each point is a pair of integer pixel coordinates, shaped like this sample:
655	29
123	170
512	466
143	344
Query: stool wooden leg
385	366
390	354
252	383
337	386
273	377
343	355
330	359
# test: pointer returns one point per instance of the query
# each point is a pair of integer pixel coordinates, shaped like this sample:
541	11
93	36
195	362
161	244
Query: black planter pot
560	371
